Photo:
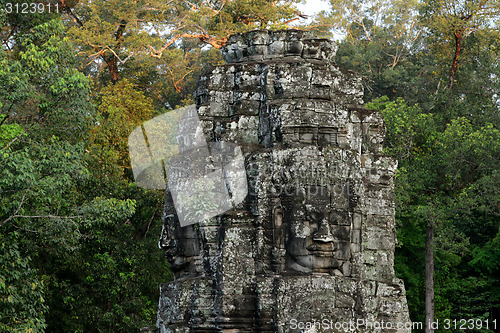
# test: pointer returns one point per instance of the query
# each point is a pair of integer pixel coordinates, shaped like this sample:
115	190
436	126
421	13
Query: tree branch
121	29
116	55
49	216
17	137
175	83
145	227
67	9
157	54
291	20
17	210
4	119
203	37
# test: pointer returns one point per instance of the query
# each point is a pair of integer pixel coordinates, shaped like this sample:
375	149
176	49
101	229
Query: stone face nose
323	234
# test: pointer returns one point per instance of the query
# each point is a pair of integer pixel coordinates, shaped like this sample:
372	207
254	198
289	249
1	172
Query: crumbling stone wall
314	239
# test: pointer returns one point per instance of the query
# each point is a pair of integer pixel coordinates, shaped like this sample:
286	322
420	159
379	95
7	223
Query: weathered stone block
245	107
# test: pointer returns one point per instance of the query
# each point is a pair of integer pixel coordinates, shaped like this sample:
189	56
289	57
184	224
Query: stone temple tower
311	247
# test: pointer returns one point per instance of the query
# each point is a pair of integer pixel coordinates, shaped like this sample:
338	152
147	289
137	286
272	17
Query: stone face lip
313	240
261	45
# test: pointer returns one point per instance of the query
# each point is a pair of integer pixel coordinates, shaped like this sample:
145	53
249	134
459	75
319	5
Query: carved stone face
181	244
181	248
317	237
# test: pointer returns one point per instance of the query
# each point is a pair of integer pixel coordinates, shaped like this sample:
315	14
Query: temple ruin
311	247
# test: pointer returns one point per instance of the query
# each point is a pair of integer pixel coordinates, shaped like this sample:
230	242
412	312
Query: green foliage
42	181
8	132
445	18
121	109
410	132
487	258
40	84
22	303
163	47
105	286
86	230
380	43
473	151
447	173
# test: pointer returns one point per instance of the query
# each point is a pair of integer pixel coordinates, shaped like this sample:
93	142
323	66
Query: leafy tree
442	169
380	39
121	109
115	33
452	22
86	242
38	90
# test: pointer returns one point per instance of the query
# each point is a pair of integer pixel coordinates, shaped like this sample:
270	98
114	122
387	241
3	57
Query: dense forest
78	239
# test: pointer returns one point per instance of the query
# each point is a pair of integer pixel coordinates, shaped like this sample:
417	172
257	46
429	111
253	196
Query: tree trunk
112	60
112	63
429	277
454	64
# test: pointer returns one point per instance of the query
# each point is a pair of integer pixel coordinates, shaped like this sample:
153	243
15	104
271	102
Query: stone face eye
315	216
